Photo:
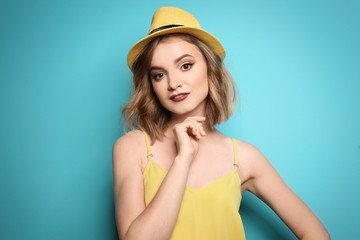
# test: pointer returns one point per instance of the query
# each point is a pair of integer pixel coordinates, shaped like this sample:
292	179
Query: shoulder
129	139
127	146
244	149
247	150
252	161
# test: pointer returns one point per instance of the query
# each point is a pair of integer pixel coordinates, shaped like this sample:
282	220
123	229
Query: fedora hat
167	20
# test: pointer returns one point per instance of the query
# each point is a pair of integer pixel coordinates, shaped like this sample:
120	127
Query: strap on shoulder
149	154
235	153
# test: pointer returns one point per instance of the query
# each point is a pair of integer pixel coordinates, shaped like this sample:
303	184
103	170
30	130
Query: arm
157	220
134	221
266	184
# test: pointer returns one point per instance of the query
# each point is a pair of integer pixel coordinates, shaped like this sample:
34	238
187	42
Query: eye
158	76
186	66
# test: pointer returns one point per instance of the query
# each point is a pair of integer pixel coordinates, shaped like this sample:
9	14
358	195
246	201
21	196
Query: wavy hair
145	112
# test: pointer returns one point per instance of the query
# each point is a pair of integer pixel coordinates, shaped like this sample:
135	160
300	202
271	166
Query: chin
187	109
188	112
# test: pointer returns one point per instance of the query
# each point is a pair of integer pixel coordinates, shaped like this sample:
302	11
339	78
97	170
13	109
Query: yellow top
207	213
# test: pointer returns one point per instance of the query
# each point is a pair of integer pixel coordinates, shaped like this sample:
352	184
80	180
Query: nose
174	82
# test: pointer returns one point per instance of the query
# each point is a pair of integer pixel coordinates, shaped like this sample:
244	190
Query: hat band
164	27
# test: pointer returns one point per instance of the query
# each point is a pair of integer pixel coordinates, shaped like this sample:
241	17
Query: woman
178	177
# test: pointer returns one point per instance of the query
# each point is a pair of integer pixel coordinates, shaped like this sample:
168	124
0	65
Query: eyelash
155	76
189	64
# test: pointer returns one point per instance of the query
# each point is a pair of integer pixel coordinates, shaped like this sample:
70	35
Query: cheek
203	82
206	87
158	89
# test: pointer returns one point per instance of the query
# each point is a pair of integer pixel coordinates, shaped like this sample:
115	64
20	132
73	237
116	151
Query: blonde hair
144	111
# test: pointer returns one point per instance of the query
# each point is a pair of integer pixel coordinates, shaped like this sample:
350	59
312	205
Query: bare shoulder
127	147
247	150
244	146
251	160
130	139
244	149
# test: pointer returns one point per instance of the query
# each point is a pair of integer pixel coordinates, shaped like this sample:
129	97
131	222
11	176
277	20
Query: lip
179	97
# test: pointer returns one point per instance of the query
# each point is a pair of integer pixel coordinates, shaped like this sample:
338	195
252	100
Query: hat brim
206	37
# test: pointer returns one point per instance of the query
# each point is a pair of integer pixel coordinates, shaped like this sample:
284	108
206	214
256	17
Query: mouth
179	97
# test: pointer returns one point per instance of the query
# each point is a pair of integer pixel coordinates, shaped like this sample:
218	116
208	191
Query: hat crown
171	20
166	16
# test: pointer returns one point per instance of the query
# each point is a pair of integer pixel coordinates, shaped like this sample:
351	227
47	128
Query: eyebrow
181	57
175	61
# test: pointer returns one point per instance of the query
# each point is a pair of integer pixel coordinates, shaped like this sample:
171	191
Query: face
178	73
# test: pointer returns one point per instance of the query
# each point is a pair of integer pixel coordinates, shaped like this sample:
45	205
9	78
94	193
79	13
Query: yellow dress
207	213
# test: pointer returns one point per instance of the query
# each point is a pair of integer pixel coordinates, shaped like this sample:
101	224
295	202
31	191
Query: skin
186	150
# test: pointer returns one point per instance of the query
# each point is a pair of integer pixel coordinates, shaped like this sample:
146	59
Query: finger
200	128
199	121
197	118
199	125
190	128
195	129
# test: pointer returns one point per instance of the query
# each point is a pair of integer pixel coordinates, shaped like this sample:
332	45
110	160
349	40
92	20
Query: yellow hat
168	20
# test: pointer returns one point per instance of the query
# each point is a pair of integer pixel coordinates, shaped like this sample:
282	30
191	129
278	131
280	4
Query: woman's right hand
187	134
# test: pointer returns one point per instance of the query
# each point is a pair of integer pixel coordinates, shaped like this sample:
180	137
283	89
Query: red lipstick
179	97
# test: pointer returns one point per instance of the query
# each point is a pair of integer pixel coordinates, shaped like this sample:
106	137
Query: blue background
64	76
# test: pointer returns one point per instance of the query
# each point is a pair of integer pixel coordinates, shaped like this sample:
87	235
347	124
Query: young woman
176	176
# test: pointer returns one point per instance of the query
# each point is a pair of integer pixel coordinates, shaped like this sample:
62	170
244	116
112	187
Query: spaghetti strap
235	153
149	154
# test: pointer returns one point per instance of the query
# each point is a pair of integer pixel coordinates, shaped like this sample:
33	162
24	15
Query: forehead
171	48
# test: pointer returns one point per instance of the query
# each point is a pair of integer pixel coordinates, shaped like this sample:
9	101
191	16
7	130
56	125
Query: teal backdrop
64	76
